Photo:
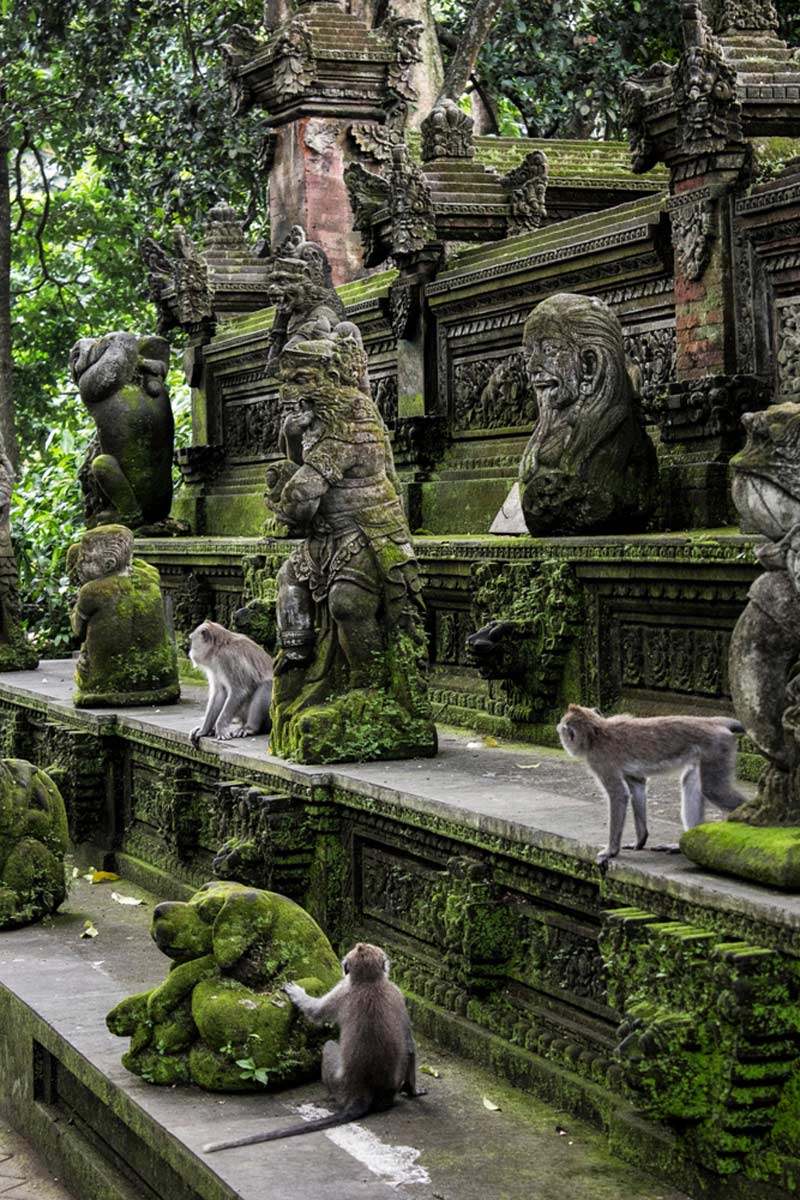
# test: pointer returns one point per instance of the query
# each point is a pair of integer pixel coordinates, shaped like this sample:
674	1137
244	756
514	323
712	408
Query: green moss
33	841
770	856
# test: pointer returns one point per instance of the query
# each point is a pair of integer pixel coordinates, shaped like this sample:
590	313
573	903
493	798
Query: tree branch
462	64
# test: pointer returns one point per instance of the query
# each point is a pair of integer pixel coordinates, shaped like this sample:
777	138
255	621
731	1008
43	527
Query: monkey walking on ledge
622	751
375	1056
239	674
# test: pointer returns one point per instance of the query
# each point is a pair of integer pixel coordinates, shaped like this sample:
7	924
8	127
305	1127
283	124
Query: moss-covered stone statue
33	842
127	478
761	839
16	652
222	1004
128	656
348	677
589	466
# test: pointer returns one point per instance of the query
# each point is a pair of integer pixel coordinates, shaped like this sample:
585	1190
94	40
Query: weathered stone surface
589	465
128	477
222	1003
347	680
127	655
33	842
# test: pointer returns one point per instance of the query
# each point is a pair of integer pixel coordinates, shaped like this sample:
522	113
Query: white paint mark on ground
396	1165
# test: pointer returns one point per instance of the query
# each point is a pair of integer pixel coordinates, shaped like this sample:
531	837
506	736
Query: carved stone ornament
589	465
238	48
403	36
185	276
447	132
635	93
368	192
413	219
404	308
693	232
704	89
788	358
736	16
526	186
375	141
293	56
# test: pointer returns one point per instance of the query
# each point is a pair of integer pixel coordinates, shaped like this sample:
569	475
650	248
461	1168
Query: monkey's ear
244	917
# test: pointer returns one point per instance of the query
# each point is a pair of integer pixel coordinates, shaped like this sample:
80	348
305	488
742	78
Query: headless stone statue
127	479
127	656
348	676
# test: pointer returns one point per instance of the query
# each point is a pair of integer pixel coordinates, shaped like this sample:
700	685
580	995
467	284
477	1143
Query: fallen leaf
561	1131
89	930
527	766
490	741
75	872
100	876
120	899
474	746
487	1103
426	1070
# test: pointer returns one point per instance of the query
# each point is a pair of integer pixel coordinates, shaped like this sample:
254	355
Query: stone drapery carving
447	132
526	186
127	655
693	232
129	476
347	678
589	465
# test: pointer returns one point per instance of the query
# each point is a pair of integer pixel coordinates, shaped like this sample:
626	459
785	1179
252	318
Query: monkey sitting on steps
622	751
375	1056
239	676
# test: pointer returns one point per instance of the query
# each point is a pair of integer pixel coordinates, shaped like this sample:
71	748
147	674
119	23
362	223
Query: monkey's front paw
195	735
603	859
294	992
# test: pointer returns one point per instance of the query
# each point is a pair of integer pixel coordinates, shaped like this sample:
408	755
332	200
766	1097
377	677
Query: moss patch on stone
770	856
33	841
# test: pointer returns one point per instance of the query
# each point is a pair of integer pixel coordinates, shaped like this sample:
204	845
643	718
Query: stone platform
476	871
111	1134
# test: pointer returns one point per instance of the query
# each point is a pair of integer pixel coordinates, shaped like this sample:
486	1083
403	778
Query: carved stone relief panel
788	356
492	394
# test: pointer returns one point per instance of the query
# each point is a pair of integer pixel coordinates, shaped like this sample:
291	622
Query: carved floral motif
526	186
693	233
788	357
447	132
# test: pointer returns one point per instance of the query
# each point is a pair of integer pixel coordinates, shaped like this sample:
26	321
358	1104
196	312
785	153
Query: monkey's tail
353	1113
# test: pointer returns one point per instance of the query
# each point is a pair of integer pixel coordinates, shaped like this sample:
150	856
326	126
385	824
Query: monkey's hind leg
693	807
716	772
637	787
258	718
332	1068
409	1085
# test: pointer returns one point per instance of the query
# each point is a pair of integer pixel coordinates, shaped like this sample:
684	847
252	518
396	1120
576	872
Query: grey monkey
622	751
239	674
375	1056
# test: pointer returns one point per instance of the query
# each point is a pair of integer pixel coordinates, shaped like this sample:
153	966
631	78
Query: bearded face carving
589	465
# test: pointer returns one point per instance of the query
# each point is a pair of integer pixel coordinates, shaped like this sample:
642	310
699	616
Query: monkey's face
574	731
201	644
365	963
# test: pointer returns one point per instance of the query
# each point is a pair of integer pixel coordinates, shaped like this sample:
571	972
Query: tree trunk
463	61
7	431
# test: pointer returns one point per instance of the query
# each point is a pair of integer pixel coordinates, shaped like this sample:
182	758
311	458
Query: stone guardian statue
348	678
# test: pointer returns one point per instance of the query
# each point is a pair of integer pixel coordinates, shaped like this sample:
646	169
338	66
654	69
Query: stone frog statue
589	465
33	842
222	1004
765	646
127	655
128	475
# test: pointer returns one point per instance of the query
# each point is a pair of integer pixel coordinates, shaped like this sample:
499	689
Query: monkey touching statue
621	752
375	1057
239	674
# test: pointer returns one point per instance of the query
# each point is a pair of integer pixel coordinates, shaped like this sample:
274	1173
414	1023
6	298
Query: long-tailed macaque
239	676
622	751
375	1056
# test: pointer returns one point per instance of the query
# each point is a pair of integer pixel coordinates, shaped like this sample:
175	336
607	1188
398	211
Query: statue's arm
301	495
